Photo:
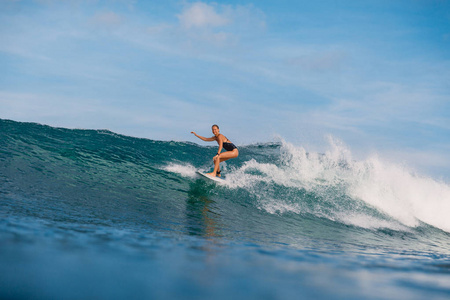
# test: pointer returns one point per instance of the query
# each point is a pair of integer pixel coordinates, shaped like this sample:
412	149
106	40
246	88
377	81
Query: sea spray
406	196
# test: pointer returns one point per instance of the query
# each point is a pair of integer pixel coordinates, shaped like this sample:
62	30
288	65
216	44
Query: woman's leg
223	157
229	154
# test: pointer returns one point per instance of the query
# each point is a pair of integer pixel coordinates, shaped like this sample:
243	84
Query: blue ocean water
90	214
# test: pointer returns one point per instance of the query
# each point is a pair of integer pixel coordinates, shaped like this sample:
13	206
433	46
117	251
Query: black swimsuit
229	146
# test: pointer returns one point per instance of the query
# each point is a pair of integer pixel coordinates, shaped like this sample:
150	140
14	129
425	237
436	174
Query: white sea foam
186	170
407	197
401	197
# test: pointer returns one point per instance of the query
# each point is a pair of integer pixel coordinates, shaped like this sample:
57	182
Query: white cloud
200	15
219	25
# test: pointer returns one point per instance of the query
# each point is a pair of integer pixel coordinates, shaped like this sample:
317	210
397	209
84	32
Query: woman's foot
217	174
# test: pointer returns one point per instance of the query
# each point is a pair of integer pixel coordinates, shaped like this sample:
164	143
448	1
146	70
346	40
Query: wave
370	193
92	170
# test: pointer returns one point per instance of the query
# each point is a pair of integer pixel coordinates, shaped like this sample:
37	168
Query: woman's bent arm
220	146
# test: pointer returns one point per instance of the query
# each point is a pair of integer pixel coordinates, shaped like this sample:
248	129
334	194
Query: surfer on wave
232	151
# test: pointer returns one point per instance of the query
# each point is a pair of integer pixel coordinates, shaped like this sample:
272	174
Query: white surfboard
216	179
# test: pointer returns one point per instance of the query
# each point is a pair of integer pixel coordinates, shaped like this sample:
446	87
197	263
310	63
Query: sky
372	74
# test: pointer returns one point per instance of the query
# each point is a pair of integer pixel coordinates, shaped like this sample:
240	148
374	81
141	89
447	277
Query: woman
224	143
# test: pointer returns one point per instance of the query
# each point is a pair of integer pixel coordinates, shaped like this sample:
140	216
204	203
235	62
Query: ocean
91	214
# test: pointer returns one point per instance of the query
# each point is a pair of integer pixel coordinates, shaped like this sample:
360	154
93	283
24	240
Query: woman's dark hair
216	126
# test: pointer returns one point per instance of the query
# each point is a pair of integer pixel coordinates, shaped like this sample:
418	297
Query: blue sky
374	74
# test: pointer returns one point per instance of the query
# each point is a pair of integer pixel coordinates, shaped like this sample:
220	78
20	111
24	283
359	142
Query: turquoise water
90	214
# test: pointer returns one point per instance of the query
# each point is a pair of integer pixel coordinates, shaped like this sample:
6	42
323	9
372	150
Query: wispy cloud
322	62
107	18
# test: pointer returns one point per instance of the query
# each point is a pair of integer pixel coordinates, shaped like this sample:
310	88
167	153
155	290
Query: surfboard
209	177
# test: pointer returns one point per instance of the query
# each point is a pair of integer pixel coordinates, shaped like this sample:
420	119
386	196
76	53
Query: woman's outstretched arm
211	139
